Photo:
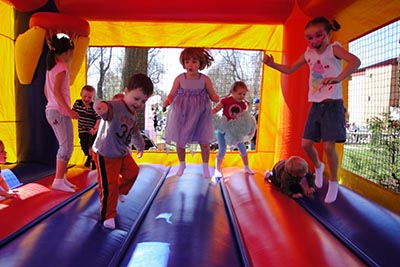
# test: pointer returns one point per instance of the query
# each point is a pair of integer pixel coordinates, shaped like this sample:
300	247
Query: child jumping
326	118
235	127
117	170
189	119
88	122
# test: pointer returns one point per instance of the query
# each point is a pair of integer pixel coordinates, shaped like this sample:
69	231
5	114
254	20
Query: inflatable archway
273	26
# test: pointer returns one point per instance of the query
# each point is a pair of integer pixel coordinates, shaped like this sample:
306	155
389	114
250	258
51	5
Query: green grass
374	164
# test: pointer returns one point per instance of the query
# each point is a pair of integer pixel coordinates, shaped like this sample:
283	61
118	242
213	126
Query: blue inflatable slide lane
187	225
369	230
72	235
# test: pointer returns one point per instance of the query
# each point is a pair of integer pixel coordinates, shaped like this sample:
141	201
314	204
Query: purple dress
189	117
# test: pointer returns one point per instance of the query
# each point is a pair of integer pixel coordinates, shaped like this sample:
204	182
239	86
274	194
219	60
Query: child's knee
329	148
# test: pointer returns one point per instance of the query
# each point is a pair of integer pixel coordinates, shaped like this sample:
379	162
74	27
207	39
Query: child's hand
73	114
139	154
297	195
100	107
309	191
166	103
93	131
215	98
329	80
268	60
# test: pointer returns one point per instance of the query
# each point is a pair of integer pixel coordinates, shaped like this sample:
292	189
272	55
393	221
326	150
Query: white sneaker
248	170
331	195
69	183
59	184
217	173
109	223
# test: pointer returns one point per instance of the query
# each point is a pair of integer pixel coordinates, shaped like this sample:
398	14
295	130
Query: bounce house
186	221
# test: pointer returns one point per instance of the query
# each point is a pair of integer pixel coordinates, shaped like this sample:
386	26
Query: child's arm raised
287	69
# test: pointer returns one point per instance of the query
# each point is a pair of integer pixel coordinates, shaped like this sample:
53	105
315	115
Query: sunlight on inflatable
154	254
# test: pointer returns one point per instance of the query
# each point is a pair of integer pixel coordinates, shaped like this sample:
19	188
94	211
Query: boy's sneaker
109	223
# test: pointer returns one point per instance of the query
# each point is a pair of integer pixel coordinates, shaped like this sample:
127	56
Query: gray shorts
64	132
326	122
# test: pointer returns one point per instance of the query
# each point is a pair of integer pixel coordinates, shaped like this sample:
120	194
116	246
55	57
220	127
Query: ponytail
335	26
51	59
58	44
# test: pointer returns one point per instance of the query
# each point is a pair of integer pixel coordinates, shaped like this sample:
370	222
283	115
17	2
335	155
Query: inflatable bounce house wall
276	27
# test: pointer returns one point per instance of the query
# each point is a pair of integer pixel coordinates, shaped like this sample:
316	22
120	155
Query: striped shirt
87	116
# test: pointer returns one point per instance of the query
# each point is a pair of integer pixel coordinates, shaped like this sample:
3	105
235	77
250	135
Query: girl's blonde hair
201	54
296	165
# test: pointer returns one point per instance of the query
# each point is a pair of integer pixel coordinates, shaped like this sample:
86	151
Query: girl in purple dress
189	118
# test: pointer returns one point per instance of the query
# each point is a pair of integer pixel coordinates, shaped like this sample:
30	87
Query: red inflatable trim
26	5
327	8
209	11
60	22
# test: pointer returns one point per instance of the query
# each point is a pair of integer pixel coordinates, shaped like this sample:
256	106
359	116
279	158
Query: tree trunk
135	62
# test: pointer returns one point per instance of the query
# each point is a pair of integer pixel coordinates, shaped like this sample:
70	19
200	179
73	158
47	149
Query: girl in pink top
58	109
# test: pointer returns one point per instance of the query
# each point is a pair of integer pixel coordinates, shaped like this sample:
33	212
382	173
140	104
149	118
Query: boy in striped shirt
88	122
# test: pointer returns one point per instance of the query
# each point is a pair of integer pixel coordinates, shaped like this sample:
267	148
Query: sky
385	40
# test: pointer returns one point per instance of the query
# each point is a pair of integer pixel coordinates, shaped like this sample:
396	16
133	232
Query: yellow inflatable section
28	48
29	45
81	44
